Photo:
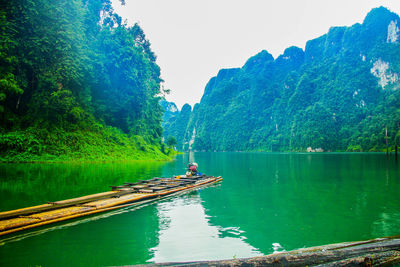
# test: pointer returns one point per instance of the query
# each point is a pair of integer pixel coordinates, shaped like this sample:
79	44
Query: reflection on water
187	235
301	200
66	224
23	185
383	225
267	203
121	237
277	248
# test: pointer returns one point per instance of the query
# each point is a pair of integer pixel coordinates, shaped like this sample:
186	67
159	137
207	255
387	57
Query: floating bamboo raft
375	252
120	196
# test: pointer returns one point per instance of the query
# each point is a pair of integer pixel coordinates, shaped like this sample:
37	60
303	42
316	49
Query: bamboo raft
383	251
120	196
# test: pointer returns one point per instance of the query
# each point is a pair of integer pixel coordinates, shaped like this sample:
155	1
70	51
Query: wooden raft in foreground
120	196
375	252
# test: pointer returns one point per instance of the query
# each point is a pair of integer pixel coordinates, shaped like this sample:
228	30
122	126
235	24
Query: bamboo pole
376	252
116	203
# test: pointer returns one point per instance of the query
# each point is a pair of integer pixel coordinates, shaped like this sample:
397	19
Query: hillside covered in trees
76	83
340	94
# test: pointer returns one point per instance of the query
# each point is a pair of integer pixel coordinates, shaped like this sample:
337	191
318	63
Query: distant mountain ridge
339	94
170	110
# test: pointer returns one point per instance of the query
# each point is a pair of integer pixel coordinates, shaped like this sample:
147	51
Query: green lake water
267	202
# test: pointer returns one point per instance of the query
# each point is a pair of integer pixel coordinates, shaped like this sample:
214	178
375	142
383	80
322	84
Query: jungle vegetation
339	94
76	82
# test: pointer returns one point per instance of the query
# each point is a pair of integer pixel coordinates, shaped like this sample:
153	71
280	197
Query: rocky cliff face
338	94
170	110
176	124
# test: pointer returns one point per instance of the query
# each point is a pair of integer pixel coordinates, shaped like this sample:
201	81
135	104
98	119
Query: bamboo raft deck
121	196
383	251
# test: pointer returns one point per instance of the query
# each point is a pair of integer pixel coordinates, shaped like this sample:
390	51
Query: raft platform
121	196
383	251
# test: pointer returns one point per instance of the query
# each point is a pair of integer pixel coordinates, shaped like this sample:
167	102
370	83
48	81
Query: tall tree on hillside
69	63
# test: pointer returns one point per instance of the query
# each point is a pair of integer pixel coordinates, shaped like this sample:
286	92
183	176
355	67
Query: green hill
76	83
339	94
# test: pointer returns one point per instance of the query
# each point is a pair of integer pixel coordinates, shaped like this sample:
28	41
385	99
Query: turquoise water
267	202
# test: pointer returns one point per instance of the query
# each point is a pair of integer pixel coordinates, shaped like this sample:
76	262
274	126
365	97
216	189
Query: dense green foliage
76	82
171	141
339	94
175	123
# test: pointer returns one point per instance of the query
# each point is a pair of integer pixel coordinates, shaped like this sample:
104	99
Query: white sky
194	39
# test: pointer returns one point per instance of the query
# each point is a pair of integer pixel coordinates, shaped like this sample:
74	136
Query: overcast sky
194	39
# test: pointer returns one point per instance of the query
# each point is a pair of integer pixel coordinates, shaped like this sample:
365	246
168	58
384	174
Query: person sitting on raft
193	169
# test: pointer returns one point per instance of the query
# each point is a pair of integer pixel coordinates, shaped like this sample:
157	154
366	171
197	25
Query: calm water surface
267	202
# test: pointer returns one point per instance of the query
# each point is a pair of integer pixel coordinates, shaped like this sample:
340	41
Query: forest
76	82
342	93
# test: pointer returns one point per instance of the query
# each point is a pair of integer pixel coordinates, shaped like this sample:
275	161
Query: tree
75	65
171	141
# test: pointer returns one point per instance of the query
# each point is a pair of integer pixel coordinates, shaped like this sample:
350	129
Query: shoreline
85	161
82	160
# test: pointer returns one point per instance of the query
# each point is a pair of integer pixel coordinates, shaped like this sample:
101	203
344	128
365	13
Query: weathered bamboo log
375	252
57	205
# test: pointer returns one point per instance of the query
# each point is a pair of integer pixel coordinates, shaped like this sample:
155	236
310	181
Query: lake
267	202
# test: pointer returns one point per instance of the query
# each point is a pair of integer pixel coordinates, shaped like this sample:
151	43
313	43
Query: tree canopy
76	65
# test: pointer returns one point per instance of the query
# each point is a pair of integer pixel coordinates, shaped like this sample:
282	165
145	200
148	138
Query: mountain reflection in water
187	235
